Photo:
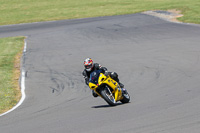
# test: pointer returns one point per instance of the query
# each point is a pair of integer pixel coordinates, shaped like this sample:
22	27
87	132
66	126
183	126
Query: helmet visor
88	66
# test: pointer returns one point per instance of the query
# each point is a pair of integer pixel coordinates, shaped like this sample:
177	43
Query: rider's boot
121	85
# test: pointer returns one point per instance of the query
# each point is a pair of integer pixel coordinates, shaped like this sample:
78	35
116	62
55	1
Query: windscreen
94	76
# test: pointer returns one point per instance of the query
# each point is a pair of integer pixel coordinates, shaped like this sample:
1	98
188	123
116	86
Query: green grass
9	91
25	11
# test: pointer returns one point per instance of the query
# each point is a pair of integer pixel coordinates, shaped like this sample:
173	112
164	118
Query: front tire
109	98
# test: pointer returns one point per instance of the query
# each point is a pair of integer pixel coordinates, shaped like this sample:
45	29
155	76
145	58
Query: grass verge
26	11
10	54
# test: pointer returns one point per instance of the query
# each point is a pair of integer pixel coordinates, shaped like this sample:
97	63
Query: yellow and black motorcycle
108	88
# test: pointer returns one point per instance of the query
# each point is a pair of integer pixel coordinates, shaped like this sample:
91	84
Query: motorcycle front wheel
108	97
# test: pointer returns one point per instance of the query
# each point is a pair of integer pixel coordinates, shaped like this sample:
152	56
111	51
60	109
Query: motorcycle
107	88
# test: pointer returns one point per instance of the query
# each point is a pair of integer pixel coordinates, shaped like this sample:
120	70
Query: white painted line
25	45
22	85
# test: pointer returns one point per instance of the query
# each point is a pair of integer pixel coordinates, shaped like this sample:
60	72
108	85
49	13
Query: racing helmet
88	64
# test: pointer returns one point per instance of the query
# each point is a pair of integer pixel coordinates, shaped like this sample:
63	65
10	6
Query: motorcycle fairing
97	79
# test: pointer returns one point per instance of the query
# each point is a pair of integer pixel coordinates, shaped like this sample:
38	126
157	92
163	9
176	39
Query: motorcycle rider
90	66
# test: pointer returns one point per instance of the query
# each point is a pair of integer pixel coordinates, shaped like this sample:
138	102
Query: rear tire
109	98
126	97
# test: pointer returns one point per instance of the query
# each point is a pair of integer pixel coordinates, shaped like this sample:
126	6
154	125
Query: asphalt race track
157	61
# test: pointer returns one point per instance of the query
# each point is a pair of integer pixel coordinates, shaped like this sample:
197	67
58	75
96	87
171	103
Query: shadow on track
106	106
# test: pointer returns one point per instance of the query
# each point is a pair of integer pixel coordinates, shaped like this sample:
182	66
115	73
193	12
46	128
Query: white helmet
88	63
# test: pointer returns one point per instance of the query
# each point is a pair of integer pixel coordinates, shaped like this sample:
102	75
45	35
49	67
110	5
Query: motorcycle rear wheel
109	98
126	97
